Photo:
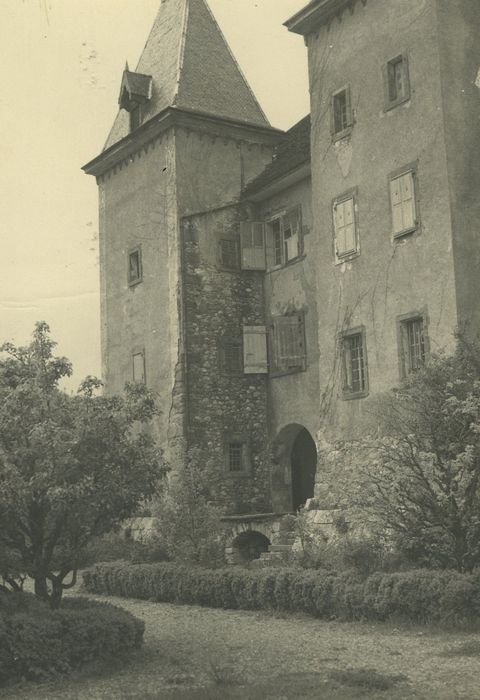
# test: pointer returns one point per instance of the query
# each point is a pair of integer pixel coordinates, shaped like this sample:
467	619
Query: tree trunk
41	588
56	596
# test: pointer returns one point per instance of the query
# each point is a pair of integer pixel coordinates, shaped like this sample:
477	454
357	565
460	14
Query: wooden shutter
139	367
402	190
252	237
344	219
348	100
255	350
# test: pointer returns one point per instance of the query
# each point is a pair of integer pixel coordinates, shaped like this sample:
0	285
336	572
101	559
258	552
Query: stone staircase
280	552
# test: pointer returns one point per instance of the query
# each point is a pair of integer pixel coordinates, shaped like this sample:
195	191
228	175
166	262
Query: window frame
347	395
276	367
139	353
410	168
222	261
347	129
280	217
403	355
233	341
341	199
236	439
390	103
133	281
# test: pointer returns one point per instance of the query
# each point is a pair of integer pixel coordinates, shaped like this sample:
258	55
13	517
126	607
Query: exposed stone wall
217	303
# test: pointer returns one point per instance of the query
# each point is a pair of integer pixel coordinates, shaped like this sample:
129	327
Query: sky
61	70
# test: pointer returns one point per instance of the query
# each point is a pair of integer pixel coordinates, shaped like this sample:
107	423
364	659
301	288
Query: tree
71	466
419	482
188	524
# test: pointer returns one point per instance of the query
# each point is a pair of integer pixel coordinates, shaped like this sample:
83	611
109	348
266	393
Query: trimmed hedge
418	596
37	643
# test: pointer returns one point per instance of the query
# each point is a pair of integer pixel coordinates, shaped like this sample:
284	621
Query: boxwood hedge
419	596
37	643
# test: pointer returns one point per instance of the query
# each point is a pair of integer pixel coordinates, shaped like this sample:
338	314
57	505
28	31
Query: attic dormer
135	93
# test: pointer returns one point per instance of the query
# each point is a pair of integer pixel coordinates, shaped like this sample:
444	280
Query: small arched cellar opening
249	545
294	468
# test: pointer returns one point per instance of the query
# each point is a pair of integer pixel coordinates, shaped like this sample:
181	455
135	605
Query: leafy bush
37	643
419	596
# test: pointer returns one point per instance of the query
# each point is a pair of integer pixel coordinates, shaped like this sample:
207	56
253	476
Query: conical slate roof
192	68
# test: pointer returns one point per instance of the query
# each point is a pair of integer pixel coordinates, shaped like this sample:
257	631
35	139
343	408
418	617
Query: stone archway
249	545
294	468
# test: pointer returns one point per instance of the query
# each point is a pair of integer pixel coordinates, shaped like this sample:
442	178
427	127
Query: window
403	202
139	367
237	454
342	118
413	344
231	357
397	82
355	380
229	254
252	241
135	117
284	238
345	227
289	347
135	266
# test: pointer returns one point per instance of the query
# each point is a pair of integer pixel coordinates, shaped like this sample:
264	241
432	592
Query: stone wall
217	303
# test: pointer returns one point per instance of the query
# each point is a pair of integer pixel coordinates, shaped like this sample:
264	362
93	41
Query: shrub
419	596
37	643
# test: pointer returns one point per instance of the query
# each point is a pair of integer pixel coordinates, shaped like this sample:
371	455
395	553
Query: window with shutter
342	117
231	355
252	237
255	360
285	238
403	202
289	343
345	227
355	376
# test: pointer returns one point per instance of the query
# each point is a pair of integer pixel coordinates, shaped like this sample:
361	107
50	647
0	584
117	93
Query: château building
268	285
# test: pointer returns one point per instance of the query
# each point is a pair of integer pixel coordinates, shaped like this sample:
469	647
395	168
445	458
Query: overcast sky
61	70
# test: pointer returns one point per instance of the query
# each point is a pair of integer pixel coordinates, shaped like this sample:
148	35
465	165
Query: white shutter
397	207
408	201
255	350
252	237
344	220
349	216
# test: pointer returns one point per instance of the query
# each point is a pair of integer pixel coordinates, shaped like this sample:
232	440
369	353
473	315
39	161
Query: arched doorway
304	466
249	545
294	468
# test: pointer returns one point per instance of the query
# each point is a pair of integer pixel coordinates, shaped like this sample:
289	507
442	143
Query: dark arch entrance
249	545
294	465
304	467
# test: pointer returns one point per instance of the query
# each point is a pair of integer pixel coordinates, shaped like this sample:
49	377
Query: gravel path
208	654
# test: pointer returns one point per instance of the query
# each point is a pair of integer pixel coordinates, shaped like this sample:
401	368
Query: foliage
189	526
71	467
420	481
37	643
420	596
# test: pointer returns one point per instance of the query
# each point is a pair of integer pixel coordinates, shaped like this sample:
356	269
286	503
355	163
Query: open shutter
348	106
252	237
255	350
397	207
338	220
349	220
408	201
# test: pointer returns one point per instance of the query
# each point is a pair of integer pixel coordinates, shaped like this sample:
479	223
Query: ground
195	653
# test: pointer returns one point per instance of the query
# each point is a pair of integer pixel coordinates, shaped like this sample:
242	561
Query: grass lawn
208	654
